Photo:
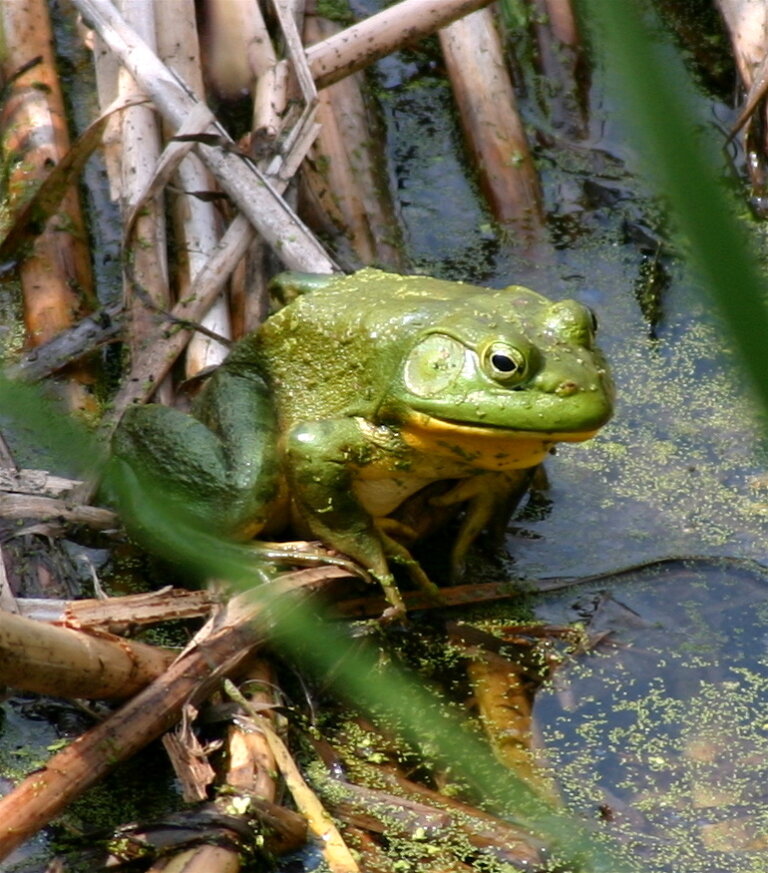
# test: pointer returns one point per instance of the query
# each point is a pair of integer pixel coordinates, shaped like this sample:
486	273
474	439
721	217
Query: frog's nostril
566	389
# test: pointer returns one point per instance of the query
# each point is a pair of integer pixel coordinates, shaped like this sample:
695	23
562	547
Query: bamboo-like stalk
40	657
492	125
55	274
42	795
195	219
116	615
140	150
361	44
343	174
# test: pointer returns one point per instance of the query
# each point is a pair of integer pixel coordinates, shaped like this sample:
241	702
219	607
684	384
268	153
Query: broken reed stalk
250	762
116	615
42	795
196	224
343	177
63	662
55	274
330	842
218	649
139	153
492	126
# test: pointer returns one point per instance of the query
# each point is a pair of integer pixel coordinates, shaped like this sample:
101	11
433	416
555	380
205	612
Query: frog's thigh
239	412
219	469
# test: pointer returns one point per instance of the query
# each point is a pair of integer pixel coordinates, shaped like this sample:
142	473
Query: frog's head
507	364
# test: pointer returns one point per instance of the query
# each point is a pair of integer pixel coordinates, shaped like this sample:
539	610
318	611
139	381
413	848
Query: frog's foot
396	611
399	554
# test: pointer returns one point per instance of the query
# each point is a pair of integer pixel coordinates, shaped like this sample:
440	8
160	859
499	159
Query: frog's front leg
217	470
321	460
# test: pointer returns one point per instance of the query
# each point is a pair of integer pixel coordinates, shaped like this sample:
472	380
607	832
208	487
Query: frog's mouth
420	421
483	447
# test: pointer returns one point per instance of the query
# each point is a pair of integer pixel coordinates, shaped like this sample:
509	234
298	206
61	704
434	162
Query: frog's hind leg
216	469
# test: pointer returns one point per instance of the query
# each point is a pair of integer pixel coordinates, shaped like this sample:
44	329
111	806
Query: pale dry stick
491	123
229	638
167	342
195	219
334	849
40	657
21	507
140	150
237	46
379	35
343	178
240	179
55	274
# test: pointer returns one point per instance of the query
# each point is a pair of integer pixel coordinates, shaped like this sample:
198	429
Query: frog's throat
487	448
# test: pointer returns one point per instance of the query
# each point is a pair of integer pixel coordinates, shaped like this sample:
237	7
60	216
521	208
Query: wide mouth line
427	420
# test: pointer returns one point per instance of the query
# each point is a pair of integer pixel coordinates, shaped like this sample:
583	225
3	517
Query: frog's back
338	345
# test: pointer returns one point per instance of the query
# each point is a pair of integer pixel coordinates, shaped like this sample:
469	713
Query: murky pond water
660	729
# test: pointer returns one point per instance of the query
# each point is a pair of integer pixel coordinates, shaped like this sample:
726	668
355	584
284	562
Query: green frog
363	393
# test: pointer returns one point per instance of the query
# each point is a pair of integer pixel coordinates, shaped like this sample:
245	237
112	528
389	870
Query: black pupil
503	363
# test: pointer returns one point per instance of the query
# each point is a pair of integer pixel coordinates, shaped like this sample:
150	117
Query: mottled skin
363	391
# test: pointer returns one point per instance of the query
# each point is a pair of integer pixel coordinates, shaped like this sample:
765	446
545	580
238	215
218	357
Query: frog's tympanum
363	392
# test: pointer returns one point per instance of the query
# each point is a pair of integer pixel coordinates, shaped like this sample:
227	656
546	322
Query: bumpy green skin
361	392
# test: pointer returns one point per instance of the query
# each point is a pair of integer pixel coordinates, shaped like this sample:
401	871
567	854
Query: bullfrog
361	393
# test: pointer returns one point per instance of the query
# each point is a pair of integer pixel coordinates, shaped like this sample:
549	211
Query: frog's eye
505	363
